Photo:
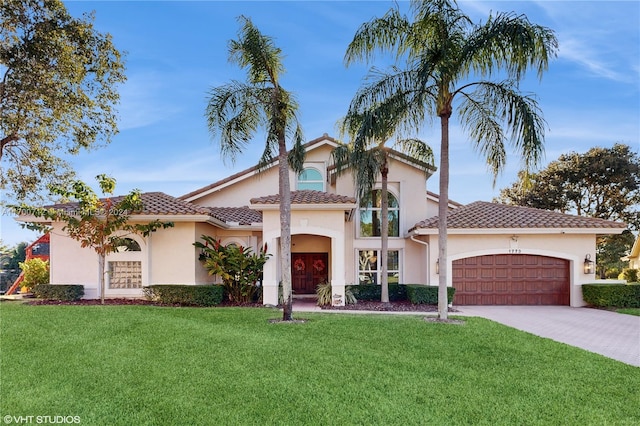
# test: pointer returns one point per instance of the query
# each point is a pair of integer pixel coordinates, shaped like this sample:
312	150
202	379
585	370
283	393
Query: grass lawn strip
142	365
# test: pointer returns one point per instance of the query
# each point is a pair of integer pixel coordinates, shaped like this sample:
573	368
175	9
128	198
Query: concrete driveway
606	333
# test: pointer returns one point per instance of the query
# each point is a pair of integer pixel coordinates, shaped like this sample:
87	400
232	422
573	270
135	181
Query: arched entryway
310	256
511	279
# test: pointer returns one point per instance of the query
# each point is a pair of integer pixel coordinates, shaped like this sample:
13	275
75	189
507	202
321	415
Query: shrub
631	275
65	292
426	294
239	268
397	292
324	293
36	271
189	295
612	295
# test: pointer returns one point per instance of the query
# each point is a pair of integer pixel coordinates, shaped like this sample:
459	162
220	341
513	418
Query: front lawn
145	365
629	311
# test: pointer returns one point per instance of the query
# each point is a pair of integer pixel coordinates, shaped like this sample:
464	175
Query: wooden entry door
308	270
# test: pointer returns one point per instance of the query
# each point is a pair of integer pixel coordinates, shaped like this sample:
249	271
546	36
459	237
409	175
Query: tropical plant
444	53
36	271
238	267
367	157
58	81
96	223
237	110
325	295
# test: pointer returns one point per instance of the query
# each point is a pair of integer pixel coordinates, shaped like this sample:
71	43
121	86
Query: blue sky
177	51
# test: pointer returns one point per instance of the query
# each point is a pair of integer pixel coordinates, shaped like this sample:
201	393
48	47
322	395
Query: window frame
370	209
378	271
320	181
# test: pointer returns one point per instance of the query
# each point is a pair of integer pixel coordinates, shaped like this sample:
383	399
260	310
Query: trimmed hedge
65	292
189	295
426	294
612	295
373	292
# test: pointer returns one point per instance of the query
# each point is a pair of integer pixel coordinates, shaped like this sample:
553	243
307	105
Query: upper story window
127	244
371	218
310	179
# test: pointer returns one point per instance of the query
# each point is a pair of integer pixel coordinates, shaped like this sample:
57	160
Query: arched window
370	215
310	178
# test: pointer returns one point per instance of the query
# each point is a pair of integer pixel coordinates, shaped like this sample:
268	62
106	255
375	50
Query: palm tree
367	157
444	52
238	110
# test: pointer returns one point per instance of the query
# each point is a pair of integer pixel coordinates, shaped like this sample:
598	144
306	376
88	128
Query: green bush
612	295
630	275
397	292
189	295
66	292
426	294
36	271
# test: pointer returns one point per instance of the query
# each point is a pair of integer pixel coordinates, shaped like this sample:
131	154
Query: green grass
143	365
629	311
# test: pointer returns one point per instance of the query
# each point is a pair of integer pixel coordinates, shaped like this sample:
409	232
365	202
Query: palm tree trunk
285	229
443	204
384	236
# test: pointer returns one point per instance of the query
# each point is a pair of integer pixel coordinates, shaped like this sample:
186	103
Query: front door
308	270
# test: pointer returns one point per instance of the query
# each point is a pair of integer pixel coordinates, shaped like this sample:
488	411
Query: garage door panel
511	280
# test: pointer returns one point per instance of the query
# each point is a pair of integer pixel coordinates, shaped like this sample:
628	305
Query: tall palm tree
445	53
367	157
238	110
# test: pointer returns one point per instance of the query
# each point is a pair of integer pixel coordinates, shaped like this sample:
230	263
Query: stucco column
270	275
337	270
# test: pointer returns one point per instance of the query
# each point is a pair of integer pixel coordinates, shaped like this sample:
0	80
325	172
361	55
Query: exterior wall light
588	265
438	266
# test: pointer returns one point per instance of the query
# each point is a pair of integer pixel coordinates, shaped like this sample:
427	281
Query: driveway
606	333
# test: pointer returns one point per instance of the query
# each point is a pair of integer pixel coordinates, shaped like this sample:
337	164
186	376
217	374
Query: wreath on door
298	265
318	265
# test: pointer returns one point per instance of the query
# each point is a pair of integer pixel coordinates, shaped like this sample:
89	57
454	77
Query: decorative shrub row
373	292
65	292
612	295
189	295
426	294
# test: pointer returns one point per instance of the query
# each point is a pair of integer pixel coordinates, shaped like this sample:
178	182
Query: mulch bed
402	306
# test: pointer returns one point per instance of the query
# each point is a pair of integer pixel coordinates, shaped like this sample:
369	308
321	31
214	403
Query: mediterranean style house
497	254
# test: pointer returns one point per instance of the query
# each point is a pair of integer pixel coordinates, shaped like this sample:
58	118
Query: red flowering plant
239	268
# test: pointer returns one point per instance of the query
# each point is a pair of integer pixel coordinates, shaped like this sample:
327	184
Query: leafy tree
602	183
444	53
57	91
97	223
237	110
239	268
368	157
36	271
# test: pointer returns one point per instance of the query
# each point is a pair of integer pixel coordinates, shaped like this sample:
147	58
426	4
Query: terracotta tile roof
485	215
307	197
241	215
154	203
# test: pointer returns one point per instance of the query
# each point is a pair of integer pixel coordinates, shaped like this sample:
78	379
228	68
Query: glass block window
371	219
310	179
125	274
369	269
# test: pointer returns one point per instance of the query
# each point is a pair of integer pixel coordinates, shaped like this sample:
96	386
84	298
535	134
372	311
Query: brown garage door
511	279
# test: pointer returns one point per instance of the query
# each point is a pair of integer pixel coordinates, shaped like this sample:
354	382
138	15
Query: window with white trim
310	178
371	217
370	269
